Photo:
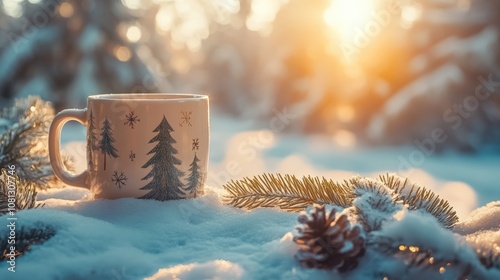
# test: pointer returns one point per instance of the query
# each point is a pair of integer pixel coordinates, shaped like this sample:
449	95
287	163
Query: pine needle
25	193
285	192
25	239
417	197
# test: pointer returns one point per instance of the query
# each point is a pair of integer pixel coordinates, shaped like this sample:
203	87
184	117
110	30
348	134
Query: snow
483	218
204	239
348	246
96	239
421	225
424	232
218	269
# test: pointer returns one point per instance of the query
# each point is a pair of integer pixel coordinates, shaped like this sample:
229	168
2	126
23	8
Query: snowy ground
203	239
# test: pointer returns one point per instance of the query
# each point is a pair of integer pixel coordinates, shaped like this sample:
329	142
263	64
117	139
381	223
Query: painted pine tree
166	183
92	144
194	177
107	140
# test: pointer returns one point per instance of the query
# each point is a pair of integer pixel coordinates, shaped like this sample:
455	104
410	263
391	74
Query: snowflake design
132	118
119	180
131	156
196	144
186	118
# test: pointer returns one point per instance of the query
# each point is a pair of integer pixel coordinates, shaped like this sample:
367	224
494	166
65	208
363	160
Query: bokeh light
13	8
122	53
134	33
66	10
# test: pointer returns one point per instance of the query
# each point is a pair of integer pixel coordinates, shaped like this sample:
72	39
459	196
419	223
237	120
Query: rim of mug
148	96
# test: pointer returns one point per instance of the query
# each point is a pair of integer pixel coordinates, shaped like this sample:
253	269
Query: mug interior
149	96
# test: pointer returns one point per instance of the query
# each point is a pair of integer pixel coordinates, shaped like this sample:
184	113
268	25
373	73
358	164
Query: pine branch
372	200
415	256
359	186
24	142
417	197
383	195
25	238
23	191
285	192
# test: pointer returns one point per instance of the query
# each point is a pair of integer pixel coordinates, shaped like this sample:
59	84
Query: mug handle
79	115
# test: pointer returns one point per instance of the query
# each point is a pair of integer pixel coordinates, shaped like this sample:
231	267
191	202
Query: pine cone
328	241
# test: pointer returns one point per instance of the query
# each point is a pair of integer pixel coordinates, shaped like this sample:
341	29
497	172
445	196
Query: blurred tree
454	78
67	50
257	57
309	82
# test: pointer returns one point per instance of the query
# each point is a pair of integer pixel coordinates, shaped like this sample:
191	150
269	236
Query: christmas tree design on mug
106	144
132	149
166	183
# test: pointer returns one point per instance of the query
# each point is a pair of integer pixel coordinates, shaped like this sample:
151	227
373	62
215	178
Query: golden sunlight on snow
219	269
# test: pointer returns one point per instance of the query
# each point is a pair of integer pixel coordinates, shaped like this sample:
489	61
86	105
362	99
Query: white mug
150	146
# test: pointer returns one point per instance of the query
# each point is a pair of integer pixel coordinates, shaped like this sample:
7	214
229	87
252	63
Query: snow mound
483	218
218	269
133	238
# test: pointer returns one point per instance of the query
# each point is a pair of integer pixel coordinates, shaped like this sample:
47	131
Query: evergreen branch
285	192
361	185
23	191
370	196
24	143
382	195
415	256
417	197
25	238
10	143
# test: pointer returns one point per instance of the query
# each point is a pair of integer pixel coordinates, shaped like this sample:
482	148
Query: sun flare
344	16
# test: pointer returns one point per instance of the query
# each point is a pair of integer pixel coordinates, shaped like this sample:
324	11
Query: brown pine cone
328	241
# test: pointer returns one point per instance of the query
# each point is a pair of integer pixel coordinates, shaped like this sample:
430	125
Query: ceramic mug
151	146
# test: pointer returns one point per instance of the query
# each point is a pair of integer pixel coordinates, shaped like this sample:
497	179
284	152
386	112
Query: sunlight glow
345	16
